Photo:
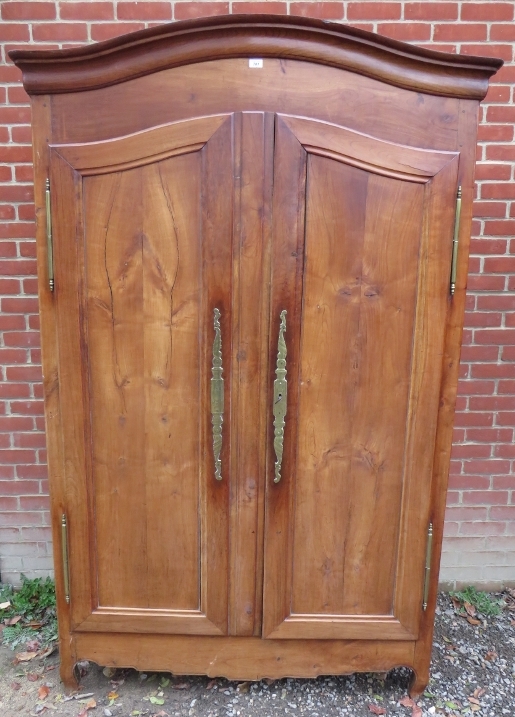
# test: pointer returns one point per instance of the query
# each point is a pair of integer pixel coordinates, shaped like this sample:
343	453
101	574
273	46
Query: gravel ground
473	671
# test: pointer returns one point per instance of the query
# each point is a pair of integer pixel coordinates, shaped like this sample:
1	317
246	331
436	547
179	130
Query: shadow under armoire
252	242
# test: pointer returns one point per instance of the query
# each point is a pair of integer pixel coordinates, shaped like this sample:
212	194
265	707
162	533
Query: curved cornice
286	37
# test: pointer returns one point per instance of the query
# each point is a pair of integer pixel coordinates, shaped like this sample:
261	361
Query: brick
500	227
479	353
483	497
511	283
27	212
502	33
12	154
24	373
482	388
463	513
408	32
13	356
15	115
488	11
7	212
489	435
488	245
108	30
493	371
495	133
431	11
485	171
481	528
14	390
459	32
321	10
17	456
60	32
274	8
502	512
471	450
14	32
504	152
37	534
494	336
27	408
501	190
498	94
144	10
491	466
459	482
22	338
5	174
28	10
475	419
87	11
374	11
504	52
21	135
188	10
19	305
37	502
500	264
35	439
504	451
501	542
24	173
507	482
505	419
479	319
485	283
31	471
489	209
19	487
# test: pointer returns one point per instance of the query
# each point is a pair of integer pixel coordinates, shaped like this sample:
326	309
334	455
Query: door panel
141	289
368	344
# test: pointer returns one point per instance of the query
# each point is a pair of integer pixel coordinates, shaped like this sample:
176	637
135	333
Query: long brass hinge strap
427	576
217	395
455	241
49	247
66	566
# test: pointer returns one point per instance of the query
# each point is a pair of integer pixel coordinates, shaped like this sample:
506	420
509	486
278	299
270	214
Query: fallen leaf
479	692
416	711
109	671
512	623
15	685
90	705
181	686
210	684
376	710
33	676
406	702
491	655
45	652
32	645
243	687
4	605
475	708
162	713
452	705
113	696
156	700
43	692
13	620
474	701
473	621
83	695
24	656
269	681
471	610
165	681
34	624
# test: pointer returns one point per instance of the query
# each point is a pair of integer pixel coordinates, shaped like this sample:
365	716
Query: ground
473	671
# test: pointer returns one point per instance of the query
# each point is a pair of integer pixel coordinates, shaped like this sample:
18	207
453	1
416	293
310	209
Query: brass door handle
280	398
217	395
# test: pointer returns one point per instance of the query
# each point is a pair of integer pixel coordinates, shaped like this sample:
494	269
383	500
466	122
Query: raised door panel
368	259
142	262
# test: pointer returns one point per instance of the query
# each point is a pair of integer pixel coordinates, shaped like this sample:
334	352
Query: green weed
31	613
483	602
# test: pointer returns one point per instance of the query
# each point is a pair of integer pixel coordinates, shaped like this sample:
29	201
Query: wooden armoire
252	241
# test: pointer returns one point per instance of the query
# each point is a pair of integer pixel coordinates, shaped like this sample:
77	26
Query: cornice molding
285	37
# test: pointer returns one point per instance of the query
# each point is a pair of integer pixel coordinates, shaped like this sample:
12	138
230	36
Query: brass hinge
454	264
427	576
66	566
49	246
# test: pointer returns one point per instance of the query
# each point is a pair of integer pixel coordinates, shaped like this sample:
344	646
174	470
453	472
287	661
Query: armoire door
142	254
362	236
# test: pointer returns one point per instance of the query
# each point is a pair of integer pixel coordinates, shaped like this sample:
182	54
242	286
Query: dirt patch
473	671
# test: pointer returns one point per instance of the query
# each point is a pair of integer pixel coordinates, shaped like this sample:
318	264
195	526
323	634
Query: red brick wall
480	543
